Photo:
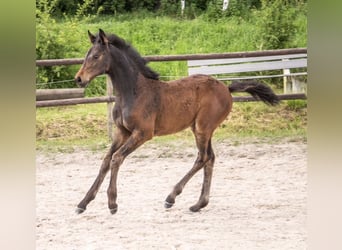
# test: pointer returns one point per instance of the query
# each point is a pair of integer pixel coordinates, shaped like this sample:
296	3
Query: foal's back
199	101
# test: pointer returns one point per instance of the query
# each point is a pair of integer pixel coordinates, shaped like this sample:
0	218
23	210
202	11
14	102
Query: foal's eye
96	56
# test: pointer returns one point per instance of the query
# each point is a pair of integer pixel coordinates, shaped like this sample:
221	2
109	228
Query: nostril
78	79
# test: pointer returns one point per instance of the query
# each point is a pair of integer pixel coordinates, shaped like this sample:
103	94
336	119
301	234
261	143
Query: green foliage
57	8
236	8
53	42
88	7
46	45
296	105
93	7
164	7
277	24
214	11
172	8
153	34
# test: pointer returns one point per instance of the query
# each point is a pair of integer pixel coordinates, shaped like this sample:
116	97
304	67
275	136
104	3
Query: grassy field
151	35
63	128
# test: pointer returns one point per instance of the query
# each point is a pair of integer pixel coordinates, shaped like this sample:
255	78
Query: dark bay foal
147	107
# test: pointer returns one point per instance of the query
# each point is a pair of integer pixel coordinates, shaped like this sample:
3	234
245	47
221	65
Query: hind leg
208	172
119	139
203	160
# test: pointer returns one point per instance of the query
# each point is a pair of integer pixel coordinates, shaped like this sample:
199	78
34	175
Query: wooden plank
282	97
55	94
74	101
248	67
73	61
59	62
226	55
259	77
194	63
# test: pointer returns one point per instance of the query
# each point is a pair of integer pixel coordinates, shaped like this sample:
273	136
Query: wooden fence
109	99
73	61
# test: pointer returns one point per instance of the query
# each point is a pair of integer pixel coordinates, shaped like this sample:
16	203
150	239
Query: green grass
59	128
64	128
151	35
167	36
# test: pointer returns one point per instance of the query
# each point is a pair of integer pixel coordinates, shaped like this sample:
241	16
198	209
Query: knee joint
116	161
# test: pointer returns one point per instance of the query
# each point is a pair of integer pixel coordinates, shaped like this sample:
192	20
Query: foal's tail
257	90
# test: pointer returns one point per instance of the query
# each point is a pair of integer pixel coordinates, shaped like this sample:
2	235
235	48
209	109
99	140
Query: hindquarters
216	104
212	104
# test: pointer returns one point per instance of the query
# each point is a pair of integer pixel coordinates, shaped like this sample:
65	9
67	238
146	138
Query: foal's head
97	60
107	50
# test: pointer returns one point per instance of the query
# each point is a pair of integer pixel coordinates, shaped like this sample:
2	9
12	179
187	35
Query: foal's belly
175	117
171	128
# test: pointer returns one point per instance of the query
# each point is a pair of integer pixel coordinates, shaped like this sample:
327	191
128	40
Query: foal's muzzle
80	83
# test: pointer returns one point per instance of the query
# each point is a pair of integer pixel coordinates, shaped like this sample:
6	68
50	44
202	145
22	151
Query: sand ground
258	199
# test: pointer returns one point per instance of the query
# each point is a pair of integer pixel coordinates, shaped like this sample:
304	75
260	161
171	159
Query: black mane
134	55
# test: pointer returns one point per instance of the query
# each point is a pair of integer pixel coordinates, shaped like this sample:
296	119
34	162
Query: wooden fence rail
75	61
164	58
102	99
109	99
56	94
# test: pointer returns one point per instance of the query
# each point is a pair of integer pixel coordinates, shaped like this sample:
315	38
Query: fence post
109	109
286	84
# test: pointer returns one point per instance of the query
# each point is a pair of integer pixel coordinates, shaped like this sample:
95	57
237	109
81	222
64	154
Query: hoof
168	204
79	210
194	209
113	210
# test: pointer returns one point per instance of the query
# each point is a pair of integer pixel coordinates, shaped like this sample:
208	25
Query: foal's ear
91	37
103	37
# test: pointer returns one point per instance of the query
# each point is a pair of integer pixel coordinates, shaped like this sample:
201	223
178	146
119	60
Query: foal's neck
124	79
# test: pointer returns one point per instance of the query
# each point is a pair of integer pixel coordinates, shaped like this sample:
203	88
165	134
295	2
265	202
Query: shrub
275	21
153	34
